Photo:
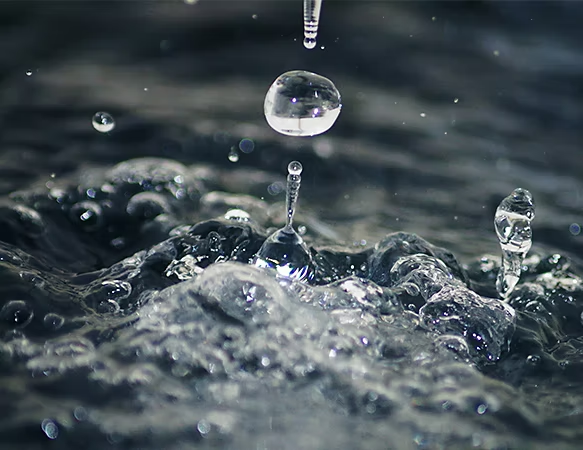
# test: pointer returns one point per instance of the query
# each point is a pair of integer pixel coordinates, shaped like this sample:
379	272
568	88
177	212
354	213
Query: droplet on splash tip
285	250
103	122
301	103
295	168
512	225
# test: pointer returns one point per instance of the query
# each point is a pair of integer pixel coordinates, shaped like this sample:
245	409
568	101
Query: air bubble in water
103	122
311	19
512	224
285	251
16	313
301	103
53	321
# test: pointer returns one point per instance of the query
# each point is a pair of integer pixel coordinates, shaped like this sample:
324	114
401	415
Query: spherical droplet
309	43
28	73
103	122
295	168
301	103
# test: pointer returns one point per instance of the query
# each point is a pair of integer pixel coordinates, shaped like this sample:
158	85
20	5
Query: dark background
515	68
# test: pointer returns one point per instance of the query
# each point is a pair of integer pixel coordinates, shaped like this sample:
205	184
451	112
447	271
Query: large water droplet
103	122
512	224
301	103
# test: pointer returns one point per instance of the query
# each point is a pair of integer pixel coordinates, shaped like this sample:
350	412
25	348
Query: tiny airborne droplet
28	73
103	122
512	224
285	251
311	19
301	103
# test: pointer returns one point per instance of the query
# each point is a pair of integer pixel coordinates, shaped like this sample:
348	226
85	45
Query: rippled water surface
131	316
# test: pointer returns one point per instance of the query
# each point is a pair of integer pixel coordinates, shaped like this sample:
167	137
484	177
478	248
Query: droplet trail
294	180
312	10
301	103
512	224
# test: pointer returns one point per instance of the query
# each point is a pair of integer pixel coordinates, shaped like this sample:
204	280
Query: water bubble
311	19
53	321
301	103
575	229
50	428
512	224
103	122
16	313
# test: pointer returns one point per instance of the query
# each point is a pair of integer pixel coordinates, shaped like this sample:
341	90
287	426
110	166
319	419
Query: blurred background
447	106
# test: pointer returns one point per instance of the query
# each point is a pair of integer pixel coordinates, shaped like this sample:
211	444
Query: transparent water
399	339
301	103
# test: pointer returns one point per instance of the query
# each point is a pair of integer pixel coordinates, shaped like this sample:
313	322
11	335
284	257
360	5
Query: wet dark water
128	315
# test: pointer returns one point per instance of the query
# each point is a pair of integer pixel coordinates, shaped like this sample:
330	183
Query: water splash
311	19
285	251
512	224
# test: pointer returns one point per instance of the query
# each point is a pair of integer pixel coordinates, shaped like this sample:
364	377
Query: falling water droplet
311	18
512	224
285	251
301	103
233	155
28	73
103	122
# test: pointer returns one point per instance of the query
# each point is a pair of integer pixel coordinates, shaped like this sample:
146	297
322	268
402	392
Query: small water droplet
423	114
233	155
103	122
301	103
575	229
28	73
254	16
455	100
